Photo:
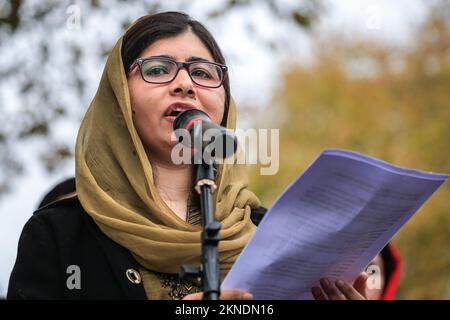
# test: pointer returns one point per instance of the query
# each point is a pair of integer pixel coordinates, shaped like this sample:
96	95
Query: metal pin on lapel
133	276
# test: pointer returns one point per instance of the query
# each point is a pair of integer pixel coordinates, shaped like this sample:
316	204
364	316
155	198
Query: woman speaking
135	218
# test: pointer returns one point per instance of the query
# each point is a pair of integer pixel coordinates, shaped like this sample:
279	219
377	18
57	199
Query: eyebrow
192	58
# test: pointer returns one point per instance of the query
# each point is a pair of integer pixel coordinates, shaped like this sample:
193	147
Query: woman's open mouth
175	109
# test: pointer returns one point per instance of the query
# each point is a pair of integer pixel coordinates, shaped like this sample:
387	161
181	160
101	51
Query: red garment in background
393	266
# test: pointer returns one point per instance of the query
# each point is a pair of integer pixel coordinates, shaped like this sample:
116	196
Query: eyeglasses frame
179	64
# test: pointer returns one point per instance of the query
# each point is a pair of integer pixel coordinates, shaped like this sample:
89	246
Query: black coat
61	235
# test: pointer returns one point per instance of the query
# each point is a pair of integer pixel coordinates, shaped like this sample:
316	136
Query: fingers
235	294
194	296
330	290
349	291
229	294
360	283
341	290
318	293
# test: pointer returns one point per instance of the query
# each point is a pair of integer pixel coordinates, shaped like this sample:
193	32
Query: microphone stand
209	269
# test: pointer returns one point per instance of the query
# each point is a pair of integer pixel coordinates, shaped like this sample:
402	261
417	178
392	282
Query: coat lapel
122	262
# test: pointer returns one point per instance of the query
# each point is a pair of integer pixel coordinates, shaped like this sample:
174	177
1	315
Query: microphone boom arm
209	270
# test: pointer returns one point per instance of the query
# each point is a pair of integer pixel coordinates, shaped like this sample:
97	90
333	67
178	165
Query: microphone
204	134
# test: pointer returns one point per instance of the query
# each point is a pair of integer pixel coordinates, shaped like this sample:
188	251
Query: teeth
177	111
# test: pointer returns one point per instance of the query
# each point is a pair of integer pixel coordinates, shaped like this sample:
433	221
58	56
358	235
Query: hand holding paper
330	222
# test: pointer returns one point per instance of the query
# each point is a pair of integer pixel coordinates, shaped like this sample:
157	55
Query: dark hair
165	25
60	190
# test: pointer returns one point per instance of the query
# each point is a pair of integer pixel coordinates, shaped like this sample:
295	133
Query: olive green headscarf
115	186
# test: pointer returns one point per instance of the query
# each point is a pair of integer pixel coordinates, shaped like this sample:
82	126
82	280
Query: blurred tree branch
9	15
49	65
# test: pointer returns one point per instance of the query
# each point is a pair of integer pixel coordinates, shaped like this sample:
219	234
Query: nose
182	85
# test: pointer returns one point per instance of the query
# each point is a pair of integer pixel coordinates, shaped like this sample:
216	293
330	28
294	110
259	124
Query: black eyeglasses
163	70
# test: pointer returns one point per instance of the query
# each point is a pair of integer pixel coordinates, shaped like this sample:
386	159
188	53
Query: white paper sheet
330	222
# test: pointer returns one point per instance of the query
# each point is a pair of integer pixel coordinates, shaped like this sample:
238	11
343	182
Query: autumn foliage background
389	102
